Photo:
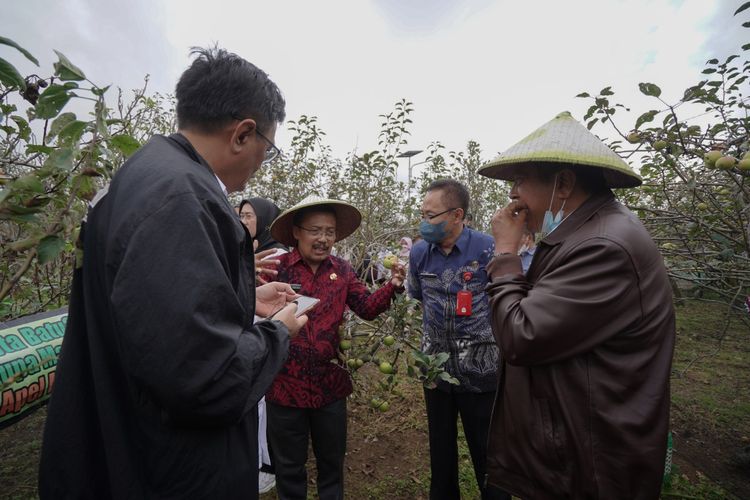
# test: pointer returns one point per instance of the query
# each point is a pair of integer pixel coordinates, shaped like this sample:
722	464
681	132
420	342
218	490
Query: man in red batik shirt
308	396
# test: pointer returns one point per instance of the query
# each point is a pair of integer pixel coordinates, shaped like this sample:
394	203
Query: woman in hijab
406	245
257	214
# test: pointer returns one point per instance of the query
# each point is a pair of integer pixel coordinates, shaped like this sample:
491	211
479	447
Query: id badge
463	303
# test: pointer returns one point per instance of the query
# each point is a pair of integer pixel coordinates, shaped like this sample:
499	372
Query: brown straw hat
348	219
562	140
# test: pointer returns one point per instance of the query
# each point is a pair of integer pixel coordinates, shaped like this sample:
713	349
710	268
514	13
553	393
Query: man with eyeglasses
161	366
308	398
447	274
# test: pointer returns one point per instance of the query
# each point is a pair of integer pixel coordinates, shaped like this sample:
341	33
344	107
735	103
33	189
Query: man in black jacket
161	367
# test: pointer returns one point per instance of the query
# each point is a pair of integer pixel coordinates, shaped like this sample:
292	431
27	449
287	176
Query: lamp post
409	154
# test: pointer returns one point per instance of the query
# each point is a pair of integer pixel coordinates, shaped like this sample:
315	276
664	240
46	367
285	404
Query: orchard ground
388	453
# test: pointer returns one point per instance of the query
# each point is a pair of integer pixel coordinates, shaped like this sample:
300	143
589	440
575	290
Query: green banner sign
29	348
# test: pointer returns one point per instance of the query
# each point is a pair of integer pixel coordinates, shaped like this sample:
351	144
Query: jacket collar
462	243
575	220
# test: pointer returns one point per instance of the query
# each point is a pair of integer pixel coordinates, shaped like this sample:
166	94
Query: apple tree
693	154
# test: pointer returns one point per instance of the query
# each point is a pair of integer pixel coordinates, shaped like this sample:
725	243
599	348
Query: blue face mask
550	222
432	233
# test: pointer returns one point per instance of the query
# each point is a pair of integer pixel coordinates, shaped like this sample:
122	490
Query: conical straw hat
348	219
562	140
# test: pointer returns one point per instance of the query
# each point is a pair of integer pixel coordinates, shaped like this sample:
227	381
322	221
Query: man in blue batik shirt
447	274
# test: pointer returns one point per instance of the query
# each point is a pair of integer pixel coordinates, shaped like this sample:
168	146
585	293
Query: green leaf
60	122
9	75
590	124
72	132
583	94
38	148
712	61
731	58
100	91
26	53
746	46
126	144
691	93
24	131
52	101
447	378
441	358
606	91
743	7
66	70
648	116
649	89
28	182
746	24
49	248
61	159
708	71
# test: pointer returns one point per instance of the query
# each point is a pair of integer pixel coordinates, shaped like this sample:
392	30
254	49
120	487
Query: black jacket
161	367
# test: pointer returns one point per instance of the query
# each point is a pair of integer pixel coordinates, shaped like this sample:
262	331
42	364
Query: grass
697	487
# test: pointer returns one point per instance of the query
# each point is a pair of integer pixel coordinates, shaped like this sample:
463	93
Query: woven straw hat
562	140
348	219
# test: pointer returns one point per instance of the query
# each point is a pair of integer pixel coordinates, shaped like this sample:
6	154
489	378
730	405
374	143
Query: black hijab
266	212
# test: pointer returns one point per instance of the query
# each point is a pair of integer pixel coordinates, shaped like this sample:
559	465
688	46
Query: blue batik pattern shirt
435	279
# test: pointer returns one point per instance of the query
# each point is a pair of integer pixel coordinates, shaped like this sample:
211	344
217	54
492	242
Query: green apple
389	261
386	368
725	162
659	145
345	344
359	363
634	137
744	163
701	206
384	406
351	363
389	340
711	157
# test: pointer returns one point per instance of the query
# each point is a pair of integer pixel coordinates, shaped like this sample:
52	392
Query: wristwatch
500	254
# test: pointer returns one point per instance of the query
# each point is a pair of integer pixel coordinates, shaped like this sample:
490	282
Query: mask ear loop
554	186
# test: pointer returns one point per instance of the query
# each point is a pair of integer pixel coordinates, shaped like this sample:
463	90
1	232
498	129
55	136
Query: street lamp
409	154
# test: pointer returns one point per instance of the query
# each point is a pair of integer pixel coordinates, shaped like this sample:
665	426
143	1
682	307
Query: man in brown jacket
587	336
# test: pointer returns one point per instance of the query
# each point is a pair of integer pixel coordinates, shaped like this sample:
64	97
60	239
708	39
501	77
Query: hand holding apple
398	274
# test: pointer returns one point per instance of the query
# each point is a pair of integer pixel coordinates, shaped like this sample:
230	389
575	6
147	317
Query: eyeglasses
247	216
271	151
430	217
317	232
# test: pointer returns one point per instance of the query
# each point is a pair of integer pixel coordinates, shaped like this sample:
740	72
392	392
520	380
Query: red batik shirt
313	376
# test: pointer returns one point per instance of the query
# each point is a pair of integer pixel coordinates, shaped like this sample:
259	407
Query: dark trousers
289	432
443	409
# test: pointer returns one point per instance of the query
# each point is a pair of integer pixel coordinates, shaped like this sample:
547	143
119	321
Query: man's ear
295	232
242	133
566	182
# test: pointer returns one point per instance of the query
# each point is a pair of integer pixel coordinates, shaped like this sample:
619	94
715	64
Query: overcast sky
486	70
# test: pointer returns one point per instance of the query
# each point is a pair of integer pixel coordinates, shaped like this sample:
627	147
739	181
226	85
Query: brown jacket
582	407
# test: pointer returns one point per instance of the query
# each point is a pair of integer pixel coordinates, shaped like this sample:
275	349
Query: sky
490	71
